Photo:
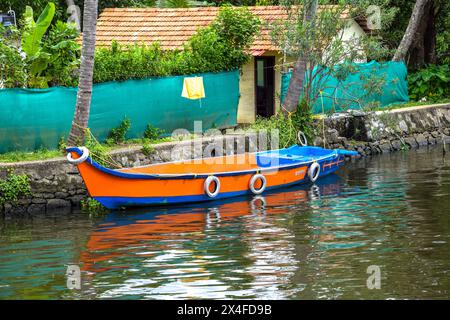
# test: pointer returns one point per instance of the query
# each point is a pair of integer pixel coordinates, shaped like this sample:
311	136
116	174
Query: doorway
265	86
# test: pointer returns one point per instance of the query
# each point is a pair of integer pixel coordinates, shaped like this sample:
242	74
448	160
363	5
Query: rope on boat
323	118
106	157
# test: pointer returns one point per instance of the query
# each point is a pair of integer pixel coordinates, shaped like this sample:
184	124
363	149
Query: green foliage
287	125
152	133
402	9
52	58
32	34
220	46
97	151
13	188
62	145
12	66
177	4
119	63
48	58
61	5
19	6
236	27
147	149
34	31
64	54
315	43
117	135
431	83
92	206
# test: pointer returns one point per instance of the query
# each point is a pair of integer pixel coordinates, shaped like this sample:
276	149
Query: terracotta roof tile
172	27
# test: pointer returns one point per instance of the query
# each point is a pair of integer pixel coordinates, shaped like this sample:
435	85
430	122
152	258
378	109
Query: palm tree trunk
411	30
298	74
81	116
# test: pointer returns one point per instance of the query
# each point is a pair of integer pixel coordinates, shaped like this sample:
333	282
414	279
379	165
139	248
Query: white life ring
258	208
302	139
314	192
314	171
81	159
253	181
207	184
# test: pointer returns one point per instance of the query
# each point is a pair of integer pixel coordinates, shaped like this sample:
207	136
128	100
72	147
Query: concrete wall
246	107
348	37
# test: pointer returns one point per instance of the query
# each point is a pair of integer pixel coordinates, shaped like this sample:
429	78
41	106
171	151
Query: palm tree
81	116
298	74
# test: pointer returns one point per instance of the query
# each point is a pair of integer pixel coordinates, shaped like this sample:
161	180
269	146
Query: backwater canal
304	242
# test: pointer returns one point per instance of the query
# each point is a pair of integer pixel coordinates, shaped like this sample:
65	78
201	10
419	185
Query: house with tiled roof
260	80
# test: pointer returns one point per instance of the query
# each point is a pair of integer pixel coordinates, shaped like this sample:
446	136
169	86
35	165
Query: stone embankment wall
386	131
56	184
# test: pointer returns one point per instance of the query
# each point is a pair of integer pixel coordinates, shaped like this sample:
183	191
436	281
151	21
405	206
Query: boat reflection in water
176	251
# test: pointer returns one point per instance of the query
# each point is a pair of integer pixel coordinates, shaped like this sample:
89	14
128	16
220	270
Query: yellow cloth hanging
193	88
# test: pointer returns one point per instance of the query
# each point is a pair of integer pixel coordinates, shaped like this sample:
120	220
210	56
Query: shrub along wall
221	46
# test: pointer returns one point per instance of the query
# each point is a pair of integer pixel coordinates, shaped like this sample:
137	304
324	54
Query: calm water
391	211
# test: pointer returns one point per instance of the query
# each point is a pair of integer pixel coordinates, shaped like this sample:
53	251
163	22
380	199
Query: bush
14	187
288	126
65	54
117	135
92	206
147	149
431	83
152	133
45	58
217	47
12	66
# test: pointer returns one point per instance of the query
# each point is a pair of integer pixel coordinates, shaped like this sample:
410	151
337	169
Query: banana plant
32	43
34	31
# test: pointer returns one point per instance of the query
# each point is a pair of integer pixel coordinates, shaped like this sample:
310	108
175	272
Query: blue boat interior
295	154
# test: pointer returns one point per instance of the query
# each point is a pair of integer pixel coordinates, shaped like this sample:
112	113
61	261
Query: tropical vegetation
39	54
54	59
218	47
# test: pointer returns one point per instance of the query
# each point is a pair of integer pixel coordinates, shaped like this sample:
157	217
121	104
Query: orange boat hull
175	183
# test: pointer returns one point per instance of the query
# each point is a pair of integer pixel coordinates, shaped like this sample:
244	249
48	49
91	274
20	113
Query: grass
16	156
412	104
44	154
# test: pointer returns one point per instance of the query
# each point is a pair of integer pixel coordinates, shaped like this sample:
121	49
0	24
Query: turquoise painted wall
394	89
34	118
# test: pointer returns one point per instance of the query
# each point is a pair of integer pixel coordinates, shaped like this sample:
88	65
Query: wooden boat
172	223
204	179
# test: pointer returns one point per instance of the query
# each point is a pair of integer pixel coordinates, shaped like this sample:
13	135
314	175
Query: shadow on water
300	242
